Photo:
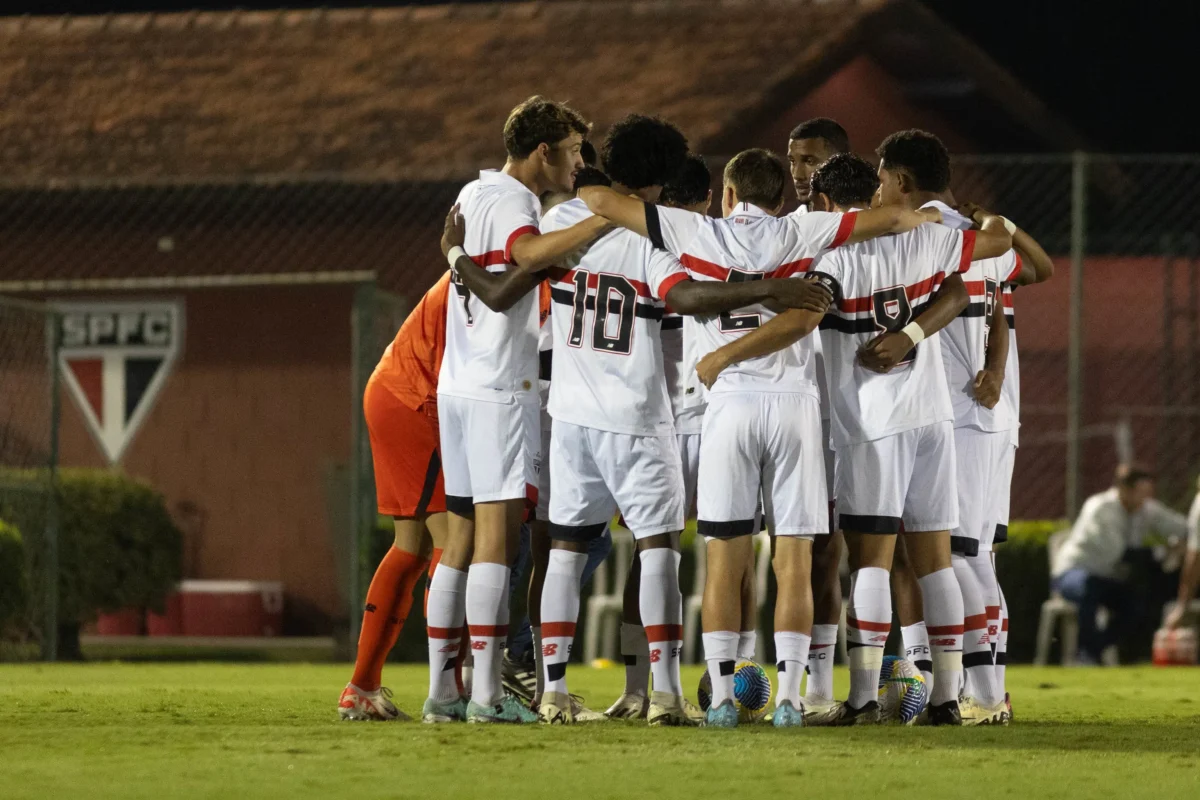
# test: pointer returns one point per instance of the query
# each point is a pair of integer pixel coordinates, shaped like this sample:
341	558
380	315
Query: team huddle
842	375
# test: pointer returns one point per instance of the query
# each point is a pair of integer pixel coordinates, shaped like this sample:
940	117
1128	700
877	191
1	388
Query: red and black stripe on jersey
856	315
978	291
563	293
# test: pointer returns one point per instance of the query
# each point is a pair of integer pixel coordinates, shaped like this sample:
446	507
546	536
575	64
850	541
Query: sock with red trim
820	664
487	623
444	615
868	622
720	652
1002	644
979	674
635	649
916	649
943	607
389	599
791	654
661	606
560	612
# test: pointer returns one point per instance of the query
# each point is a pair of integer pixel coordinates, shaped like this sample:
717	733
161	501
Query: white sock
979	673
444	620
660	602
989	589
539	664
820	663
791	650
1002	645
636	651
747	645
916	650
487	622
720	651
943	606
560	613
868	622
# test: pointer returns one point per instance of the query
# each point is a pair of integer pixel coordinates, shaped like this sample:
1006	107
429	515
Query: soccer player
810	145
400	404
487	398
891	417
762	431
613	443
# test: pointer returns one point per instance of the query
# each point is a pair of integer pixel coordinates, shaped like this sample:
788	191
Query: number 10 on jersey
612	307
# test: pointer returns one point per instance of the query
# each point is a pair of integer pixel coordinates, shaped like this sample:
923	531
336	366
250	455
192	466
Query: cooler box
231	608
1175	647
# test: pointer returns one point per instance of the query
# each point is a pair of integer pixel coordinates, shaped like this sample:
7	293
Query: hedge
117	544
1022	563
14	583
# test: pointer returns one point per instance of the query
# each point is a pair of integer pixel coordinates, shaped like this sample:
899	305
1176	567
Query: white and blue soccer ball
903	693
751	691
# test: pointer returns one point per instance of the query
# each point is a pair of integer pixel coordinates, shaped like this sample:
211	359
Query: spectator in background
1088	569
1189	578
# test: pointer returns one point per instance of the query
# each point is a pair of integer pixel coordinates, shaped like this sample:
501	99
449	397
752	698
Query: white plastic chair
602	637
1057	613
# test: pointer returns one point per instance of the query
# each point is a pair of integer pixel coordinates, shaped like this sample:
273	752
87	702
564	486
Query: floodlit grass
261	731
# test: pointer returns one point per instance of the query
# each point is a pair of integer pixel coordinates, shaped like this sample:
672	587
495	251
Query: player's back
492	355
964	339
879	286
410	364
608	357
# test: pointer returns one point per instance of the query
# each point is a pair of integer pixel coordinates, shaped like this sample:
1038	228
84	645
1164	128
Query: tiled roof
411	92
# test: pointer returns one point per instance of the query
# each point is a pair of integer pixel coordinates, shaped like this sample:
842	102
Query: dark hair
590	176
921	154
758	177
641	151
1130	475
823	128
847	179
539	120
587	152
690	186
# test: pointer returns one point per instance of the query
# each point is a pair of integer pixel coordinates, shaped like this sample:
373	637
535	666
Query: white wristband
1009	225
913	331
455	253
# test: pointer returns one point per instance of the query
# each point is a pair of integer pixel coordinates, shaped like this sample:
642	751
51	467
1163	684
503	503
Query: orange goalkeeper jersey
409	367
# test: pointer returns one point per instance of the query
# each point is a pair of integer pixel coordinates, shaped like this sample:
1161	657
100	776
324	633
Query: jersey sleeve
824	230
663	272
946	250
673	229
826	272
1011	262
514	217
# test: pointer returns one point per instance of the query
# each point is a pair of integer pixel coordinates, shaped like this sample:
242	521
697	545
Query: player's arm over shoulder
533	248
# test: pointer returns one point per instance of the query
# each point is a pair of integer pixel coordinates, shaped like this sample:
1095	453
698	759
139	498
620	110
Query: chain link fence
1109	349
29	419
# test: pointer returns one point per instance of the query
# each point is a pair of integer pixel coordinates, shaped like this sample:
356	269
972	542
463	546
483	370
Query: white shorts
980	456
1003	495
490	451
542	512
597	473
689	454
908	477
830	473
768	443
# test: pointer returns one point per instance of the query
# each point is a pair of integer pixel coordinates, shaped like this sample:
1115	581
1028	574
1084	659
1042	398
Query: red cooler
231	608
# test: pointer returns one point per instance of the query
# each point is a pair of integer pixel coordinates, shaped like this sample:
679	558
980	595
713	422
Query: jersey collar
950	217
747	210
498	178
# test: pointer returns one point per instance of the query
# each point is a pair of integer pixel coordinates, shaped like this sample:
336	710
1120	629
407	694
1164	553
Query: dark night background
1118	71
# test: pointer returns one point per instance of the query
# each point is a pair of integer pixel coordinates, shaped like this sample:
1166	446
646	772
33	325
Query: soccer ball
751	691
903	693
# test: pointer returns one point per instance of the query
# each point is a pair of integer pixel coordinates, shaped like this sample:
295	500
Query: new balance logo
943	642
549	650
478	644
450	648
655	656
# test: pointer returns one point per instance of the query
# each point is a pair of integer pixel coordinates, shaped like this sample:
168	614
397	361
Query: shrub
14	585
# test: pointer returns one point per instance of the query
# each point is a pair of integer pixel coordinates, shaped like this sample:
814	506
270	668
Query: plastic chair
1057	613
602	637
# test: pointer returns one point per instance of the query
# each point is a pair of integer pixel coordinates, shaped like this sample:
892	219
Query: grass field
261	731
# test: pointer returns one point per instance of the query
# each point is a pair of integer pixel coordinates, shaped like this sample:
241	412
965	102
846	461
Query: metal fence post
50	612
1075	345
361	327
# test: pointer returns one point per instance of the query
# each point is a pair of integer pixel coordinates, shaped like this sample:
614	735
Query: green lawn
257	731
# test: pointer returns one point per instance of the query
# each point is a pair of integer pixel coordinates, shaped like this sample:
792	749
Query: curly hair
919	153
641	151
539	120
690	186
846	179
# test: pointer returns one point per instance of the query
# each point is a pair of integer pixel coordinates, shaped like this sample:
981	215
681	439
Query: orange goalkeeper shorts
404	450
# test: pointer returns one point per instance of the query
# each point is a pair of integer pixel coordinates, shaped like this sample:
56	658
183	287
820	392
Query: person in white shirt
1189	577
762	434
488	401
891	418
613	444
1087	569
811	144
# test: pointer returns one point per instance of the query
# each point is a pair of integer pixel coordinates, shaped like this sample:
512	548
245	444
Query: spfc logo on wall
115	358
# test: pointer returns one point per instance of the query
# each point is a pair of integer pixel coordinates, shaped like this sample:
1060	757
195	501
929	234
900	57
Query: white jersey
750	244
1011	390
679	361
545	351
608	355
818	351
878	286
492	355
964	340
